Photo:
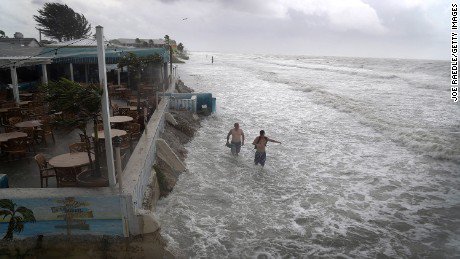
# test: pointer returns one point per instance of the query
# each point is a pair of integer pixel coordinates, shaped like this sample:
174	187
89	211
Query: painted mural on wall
69	215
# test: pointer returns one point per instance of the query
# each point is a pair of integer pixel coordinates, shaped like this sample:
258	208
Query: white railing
183	104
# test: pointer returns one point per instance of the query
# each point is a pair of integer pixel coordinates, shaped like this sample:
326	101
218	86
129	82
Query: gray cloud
328	27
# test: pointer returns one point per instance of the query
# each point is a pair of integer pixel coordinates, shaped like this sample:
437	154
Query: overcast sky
369	28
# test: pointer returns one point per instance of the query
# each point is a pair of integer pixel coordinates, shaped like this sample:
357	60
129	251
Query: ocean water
369	164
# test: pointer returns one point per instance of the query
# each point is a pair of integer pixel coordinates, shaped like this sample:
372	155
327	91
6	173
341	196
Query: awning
76	55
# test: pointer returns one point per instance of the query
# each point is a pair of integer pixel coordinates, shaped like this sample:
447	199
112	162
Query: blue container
214	105
4	181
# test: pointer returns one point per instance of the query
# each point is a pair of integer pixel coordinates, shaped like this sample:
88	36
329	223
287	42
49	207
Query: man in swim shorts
260	143
237	139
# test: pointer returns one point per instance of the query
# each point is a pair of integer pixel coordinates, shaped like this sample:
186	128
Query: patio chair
39	97
125	143
66	176
125	95
115	108
86	140
3	95
16	147
134	130
14	112
31	138
46	171
36	112
8	105
134	115
123	111
14	120
78	147
114	95
9	128
46	130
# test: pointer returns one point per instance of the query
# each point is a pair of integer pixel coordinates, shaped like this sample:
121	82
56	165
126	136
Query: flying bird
184	19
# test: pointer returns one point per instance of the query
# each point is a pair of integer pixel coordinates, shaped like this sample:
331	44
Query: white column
44	74
105	105
71	71
118	75
14	81
118	166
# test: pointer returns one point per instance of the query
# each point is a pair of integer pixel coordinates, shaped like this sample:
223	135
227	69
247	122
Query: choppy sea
369	164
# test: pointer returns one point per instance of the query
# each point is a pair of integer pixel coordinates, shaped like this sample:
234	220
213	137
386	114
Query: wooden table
23	103
135	100
28	124
11	135
3	110
120	119
113	132
77	159
131	108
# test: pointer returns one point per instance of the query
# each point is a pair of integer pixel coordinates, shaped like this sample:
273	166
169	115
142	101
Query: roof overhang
23	61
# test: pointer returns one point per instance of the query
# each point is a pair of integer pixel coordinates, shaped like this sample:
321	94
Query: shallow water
369	165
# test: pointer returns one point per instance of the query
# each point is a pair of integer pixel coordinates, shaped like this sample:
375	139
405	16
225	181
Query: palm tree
18	216
136	65
84	102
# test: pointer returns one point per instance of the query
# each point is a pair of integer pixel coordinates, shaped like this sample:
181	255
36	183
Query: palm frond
5	213
7	204
27	214
18	225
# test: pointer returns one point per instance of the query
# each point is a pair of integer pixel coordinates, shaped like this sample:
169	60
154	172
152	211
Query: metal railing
188	104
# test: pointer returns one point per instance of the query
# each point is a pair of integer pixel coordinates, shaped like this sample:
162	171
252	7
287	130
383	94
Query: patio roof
15	55
29	56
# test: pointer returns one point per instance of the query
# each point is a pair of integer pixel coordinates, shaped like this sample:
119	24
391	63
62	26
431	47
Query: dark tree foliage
167	39
136	65
82	101
61	22
180	47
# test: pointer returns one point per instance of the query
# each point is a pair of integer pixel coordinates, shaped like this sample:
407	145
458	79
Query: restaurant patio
51	136
40	147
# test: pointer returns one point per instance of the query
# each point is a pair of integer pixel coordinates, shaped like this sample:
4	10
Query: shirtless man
237	138
260	143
